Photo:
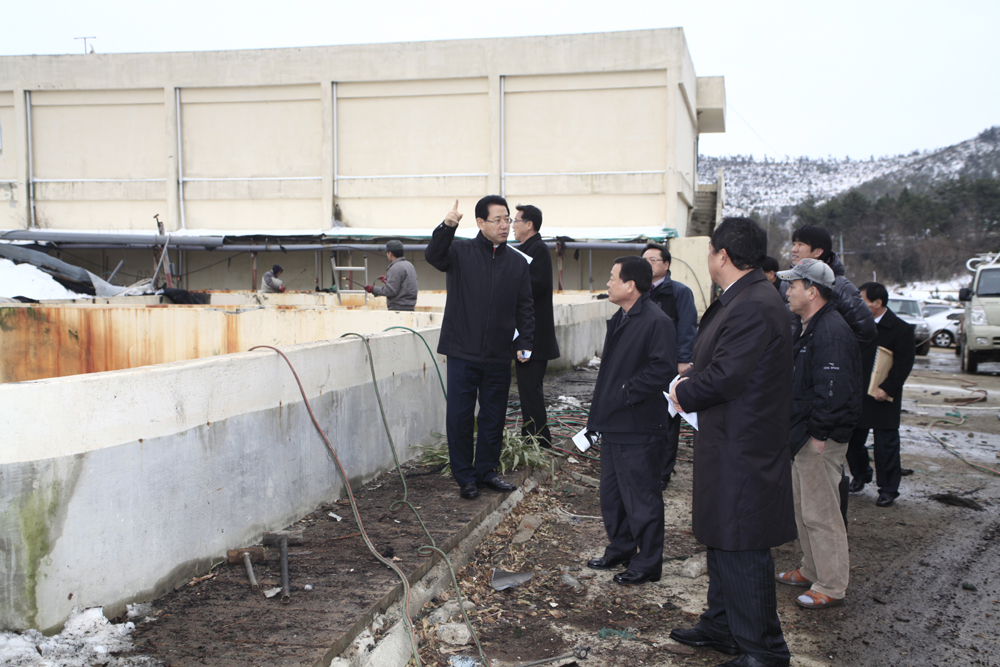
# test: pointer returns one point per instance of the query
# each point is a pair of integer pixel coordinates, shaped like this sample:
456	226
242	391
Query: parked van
979	340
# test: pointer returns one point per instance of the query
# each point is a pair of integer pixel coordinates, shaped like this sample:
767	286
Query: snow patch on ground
87	639
27	280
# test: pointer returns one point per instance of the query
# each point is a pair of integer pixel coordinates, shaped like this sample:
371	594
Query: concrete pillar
494	119
671	182
20	147
329	146
173	217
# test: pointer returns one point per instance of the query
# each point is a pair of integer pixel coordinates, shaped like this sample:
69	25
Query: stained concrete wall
117	487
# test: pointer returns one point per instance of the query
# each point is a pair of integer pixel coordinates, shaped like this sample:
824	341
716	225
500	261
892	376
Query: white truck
979	340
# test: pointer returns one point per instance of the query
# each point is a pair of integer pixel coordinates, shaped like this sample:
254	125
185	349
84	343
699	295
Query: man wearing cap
400	288
826	404
270	283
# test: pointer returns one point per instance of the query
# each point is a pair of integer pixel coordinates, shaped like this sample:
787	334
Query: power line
776	153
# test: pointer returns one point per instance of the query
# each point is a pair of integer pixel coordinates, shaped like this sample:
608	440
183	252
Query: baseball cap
813	270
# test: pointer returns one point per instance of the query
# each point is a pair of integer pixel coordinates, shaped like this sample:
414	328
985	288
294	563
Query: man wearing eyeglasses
489	302
677	301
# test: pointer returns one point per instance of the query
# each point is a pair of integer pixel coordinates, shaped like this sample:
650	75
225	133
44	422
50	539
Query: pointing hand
453	217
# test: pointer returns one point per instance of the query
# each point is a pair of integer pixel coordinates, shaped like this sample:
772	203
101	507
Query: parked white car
944	331
912	311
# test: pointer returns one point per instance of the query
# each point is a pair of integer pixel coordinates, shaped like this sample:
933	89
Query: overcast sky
844	78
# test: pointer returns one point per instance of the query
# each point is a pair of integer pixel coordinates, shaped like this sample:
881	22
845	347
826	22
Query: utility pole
85	42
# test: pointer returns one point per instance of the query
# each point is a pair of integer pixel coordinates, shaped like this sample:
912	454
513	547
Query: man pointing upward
489	297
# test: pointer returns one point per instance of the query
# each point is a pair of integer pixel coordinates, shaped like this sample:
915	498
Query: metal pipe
100	180
590	173
254	178
286	595
391	176
249	566
216	244
110	239
31	164
180	159
253	275
113	273
160	263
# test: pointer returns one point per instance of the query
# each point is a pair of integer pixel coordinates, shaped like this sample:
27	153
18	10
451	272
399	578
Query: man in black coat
740	387
631	414
676	300
489	295
826	404
880	413
531	373
811	241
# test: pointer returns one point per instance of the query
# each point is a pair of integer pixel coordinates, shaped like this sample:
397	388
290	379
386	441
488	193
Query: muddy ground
925	587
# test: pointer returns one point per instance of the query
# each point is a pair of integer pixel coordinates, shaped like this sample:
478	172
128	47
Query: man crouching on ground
826	404
631	414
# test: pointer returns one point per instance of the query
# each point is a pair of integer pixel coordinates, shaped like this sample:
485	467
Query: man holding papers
740	386
880	408
630	412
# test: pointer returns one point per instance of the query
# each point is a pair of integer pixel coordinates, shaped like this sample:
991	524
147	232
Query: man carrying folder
881	405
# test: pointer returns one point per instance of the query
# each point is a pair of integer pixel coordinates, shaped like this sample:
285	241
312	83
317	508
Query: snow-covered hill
770	185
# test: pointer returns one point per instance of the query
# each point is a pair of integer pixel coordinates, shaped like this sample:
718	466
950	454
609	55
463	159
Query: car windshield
989	283
905	307
934	309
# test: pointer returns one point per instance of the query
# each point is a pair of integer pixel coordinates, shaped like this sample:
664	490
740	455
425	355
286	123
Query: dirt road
925	575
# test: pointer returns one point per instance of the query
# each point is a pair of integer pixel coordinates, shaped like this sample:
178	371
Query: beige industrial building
310	147
136	432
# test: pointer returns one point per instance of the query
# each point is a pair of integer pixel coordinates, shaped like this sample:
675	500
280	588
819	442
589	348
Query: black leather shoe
745	660
885	499
857	484
905	472
633	578
469	491
695	637
609	562
497	484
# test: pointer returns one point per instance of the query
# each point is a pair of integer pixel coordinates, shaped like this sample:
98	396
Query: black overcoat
637	365
895	335
740	386
545	345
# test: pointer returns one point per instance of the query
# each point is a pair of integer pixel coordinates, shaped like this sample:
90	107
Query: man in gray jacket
400	289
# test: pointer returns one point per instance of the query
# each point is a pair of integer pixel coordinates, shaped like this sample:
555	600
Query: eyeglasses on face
499	221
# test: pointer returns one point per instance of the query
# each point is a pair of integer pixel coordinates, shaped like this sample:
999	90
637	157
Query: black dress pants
489	384
743	605
632	503
670	454
530	375
888	469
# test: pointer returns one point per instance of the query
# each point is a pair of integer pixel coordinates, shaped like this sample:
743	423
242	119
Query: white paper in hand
581	440
689	417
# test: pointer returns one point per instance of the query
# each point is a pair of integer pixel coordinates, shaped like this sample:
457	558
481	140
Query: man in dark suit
531	373
677	301
631	414
880	413
740	386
